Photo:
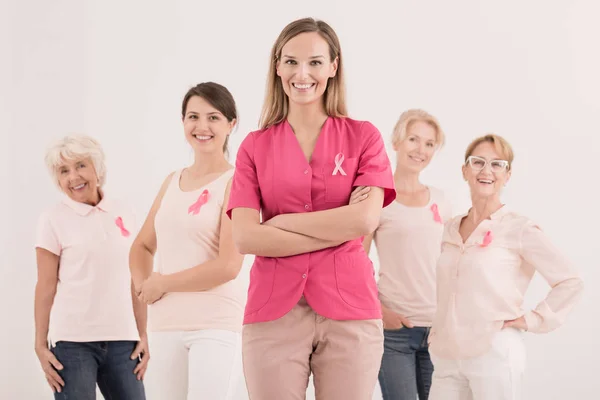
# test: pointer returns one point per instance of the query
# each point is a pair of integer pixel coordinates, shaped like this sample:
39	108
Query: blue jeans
406	368
107	364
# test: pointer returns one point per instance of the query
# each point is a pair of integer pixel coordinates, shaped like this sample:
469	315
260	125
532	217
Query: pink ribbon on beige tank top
487	239
119	222
339	159
202	200
436	213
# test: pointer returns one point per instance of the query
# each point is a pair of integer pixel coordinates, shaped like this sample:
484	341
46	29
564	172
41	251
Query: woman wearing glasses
489	256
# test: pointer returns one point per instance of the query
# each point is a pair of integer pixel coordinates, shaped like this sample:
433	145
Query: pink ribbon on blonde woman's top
487	239
339	159
202	200
436	213
119	222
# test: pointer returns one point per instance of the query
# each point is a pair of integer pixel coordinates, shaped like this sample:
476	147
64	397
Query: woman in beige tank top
195	299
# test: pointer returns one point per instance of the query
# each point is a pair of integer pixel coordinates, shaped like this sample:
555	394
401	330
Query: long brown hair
217	96
275	107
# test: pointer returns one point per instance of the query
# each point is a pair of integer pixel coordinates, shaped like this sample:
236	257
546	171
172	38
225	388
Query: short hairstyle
500	144
76	147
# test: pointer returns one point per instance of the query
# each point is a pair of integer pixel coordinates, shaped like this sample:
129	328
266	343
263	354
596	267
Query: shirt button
306	206
303	276
305	171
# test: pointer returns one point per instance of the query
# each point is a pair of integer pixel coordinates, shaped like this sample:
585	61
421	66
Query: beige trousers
344	356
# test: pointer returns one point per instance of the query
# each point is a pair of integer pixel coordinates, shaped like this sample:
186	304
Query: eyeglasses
478	163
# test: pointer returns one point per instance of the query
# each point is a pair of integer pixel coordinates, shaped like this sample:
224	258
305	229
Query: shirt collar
106	205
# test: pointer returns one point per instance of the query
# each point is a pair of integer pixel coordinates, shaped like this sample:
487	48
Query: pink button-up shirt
272	175
482	282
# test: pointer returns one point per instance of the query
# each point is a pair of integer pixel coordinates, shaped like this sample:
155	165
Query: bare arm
45	290
212	273
337	224
141	254
252	237
367	242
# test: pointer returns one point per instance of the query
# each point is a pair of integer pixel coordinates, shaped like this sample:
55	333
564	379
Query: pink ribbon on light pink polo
487	239
119	222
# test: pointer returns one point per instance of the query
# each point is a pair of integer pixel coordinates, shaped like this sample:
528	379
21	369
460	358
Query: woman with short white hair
89	328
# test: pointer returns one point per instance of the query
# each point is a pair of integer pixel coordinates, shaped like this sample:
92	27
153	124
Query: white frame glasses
495	165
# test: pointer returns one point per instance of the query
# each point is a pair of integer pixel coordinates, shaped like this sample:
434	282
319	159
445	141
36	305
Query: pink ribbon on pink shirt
339	159
119	222
487	239
202	200
436	213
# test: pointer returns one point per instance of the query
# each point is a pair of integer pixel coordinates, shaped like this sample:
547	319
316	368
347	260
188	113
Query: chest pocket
338	186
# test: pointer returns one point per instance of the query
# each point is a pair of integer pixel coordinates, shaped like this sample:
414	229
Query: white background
117	70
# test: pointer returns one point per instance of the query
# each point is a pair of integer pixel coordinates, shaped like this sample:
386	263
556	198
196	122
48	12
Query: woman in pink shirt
312	302
489	256
88	329
196	300
408	242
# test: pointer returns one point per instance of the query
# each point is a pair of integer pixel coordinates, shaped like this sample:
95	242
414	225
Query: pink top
93	297
187	228
408	242
482	283
273	176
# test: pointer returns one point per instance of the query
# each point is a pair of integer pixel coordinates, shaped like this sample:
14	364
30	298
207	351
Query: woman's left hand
152	289
518	323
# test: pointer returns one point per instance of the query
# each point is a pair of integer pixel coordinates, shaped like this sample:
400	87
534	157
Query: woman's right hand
359	194
50	365
392	320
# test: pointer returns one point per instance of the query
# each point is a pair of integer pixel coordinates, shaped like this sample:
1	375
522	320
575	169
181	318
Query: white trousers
496	375
195	365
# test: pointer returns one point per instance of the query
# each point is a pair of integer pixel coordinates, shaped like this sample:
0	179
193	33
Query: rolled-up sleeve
566	285
245	191
374	167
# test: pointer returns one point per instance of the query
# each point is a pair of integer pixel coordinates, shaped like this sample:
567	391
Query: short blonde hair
407	118
500	144
276	104
76	147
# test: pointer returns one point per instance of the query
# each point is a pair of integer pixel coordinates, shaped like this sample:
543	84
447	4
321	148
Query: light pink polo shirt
482	282
272	175
408	242
93	297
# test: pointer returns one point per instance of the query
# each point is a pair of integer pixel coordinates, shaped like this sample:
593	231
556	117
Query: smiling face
486	171
415	151
78	179
305	66
206	128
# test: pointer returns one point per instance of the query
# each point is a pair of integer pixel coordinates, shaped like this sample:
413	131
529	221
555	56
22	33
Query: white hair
76	148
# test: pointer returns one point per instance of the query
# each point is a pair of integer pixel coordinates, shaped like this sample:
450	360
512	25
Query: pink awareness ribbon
202	200
339	159
119	222
436	213
487	239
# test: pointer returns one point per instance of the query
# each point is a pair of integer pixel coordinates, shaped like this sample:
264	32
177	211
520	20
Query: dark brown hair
217	96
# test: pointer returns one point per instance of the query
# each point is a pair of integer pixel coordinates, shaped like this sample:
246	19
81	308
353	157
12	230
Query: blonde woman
312	302
489	256
408	241
88	329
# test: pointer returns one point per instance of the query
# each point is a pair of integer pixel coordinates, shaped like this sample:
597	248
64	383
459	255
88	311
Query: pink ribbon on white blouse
339	159
119	222
202	200
487	239
436	213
